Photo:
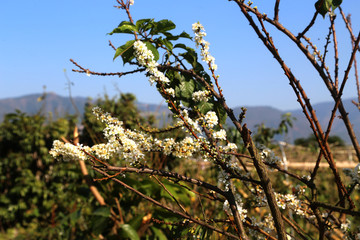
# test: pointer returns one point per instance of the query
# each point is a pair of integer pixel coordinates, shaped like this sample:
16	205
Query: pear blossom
211	119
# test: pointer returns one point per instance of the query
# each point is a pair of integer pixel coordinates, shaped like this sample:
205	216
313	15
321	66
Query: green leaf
99	224
158	234
165	25
178	192
136	221
102	212
185	35
221	113
184	89
162	26
126	51
166	43
144	24
153	50
124	27
171	37
128	232
190	55
336	3
74	217
323	6
204	107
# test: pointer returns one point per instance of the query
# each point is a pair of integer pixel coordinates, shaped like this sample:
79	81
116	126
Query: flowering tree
192	91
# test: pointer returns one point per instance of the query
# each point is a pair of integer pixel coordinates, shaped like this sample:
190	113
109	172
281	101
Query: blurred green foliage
42	198
311	142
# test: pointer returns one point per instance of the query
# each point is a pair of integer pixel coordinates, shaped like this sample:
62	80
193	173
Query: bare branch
276	10
195	220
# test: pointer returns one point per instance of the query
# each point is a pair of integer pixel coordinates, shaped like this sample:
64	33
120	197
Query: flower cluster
239	205
146	58
221	135
230	147
290	201
268	156
194	123
125	144
67	151
354	174
266	224
170	91
199	40
211	119
200	96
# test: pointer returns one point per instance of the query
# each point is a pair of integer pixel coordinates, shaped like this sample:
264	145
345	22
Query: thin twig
195	220
308	26
336	53
276	10
171	195
119	74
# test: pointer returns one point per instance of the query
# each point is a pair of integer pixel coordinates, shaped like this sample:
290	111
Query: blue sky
39	37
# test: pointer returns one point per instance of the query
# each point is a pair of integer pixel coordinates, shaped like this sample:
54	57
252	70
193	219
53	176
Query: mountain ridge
270	116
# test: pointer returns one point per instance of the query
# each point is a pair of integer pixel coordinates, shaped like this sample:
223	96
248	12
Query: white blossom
201	96
199	32
146	58
221	135
170	91
67	151
194	123
230	147
211	119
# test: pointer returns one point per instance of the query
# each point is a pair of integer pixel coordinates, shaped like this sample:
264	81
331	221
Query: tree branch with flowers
193	93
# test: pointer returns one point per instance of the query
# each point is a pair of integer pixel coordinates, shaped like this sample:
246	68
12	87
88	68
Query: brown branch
172	196
320	135
297	228
260	167
308	26
258	229
335	208
119	74
112	46
126	7
336	53
276	10
195	220
347	23
85	172
320	70
162	173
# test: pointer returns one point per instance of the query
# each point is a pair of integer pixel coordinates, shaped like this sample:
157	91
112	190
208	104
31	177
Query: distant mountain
59	105
32	104
271	117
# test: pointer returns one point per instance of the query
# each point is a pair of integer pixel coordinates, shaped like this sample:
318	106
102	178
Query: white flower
197	27
220	134
170	91
131	2
211	119
146	58
199	32
201	96
67	151
230	147
193	123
